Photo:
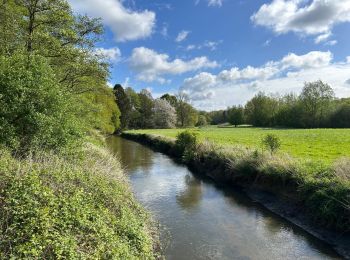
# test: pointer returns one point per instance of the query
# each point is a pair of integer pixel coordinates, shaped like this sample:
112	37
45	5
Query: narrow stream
201	220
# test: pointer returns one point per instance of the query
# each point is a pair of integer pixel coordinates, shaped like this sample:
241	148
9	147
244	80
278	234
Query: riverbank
73	206
311	201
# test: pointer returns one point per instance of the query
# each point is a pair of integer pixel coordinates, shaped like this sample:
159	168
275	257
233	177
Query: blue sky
222	52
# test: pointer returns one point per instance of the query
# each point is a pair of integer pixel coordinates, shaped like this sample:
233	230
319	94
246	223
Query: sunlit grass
324	145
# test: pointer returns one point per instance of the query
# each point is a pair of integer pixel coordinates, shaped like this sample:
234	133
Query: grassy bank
322	193
70	207
323	145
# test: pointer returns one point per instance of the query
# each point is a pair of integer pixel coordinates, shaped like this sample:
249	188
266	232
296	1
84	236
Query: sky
222	52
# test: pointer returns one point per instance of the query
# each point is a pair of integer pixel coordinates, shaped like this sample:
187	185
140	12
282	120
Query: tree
261	109
146	109
316	99
236	115
164	114
171	99
134	114
187	115
123	104
202	120
341	117
35	112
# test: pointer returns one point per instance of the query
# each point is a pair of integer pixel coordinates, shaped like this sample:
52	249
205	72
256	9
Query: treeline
141	110
52	84
316	106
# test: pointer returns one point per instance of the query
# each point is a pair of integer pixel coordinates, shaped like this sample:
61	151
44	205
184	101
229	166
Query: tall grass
77	207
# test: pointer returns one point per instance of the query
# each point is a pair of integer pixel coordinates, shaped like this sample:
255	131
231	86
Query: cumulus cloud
314	17
126	24
152	66
182	36
112	54
236	86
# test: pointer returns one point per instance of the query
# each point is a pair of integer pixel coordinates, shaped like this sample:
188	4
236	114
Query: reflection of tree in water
192	194
131	154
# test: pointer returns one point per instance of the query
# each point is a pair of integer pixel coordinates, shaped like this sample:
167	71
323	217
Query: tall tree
261	109
146	109
124	105
186	114
236	115
316	99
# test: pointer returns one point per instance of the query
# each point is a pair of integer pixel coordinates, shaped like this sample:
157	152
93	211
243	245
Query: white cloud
126	24
331	43
314	59
211	45
182	36
112	54
215	3
152	66
236	86
314	17
322	37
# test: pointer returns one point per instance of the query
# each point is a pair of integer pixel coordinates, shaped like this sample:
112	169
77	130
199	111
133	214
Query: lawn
324	145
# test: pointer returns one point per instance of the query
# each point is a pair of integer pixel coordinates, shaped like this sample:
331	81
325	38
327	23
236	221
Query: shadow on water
208	220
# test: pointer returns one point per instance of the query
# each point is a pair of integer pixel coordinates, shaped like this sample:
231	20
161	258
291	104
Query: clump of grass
342	169
77	207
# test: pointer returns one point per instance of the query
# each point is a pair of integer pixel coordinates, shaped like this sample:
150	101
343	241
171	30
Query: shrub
186	144
271	142
35	111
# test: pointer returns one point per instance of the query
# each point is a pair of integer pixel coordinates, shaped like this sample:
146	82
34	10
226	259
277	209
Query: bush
35	112
186	144
271	142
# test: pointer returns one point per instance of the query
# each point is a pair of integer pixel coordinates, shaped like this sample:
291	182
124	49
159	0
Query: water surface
201	220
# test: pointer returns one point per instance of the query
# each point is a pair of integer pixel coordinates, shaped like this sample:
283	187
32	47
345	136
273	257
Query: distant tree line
141	110
315	107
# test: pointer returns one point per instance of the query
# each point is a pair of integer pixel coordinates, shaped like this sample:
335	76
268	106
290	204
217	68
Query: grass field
324	145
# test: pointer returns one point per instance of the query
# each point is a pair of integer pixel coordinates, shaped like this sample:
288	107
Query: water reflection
208	221
192	194
133	156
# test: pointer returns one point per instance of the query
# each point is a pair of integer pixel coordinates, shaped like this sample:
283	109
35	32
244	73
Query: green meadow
324	145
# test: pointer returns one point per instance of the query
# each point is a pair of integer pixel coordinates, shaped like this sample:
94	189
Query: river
203	220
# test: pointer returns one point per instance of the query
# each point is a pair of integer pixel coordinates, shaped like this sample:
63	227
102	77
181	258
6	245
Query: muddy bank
283	200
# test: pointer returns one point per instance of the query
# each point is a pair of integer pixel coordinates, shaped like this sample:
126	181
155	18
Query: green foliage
103	113
124	105
236	115
202	121
316	98
70	208
35	112
271	142
186	144
260	110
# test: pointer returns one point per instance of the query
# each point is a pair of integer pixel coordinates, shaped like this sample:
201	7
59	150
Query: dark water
204	221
